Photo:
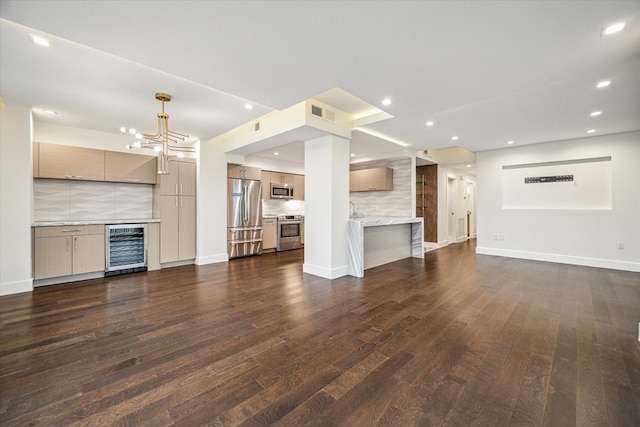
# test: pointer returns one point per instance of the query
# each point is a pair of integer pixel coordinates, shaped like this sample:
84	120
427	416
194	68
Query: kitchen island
377	241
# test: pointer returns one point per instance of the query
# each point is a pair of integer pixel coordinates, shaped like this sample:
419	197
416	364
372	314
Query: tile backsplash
61	200
282	207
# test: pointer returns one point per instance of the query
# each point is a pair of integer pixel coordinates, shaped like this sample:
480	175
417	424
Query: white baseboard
212	259
327	273
17	287
562	259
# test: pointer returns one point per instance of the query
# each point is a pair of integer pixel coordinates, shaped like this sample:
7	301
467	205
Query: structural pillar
326	206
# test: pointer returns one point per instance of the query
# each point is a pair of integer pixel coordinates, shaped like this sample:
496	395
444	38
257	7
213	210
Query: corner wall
571	236
16	185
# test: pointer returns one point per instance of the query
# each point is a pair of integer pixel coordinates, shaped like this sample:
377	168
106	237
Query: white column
16	186
211	204
326	206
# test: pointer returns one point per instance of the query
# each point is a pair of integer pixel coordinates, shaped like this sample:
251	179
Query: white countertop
94	222
370	221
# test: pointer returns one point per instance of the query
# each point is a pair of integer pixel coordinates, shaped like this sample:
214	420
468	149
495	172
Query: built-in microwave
281	191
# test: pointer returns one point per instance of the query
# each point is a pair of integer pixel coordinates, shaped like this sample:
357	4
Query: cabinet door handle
68	246
74	177
180	188
132	180
176	188
176	201
180	201
75	244
77	230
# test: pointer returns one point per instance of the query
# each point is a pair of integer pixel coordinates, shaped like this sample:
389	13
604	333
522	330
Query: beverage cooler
126	248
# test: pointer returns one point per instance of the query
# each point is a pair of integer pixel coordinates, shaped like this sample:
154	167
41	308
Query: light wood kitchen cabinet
64	251
36	159
266	184
269	233
175	206
298	187
177	228
181	180
281	178
131	168
375	179
67	162
239	171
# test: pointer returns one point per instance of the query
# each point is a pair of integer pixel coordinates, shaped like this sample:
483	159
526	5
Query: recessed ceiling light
353	155
509	142
39	40
596	113
248	107
123	129
603	83
614	28
591	131
139	135
454	138
429	123
132	131
276	153
386	101
468	166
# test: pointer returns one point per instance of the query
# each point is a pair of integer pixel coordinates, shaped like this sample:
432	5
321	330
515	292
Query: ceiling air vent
256	127
329	116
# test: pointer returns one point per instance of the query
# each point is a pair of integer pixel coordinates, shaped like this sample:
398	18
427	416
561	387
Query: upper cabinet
36	159
67	162
133	168
376	179
281	178
237	171
181	180
298	187
88	164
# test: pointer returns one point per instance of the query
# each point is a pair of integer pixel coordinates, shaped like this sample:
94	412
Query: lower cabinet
63	251
269	233
177	228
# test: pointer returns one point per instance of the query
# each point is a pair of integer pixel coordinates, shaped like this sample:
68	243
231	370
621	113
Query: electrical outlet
620	245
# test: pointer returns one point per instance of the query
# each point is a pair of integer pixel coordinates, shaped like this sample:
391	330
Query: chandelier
166	142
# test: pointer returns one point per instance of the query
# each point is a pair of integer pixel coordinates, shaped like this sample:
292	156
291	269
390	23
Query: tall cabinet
175	206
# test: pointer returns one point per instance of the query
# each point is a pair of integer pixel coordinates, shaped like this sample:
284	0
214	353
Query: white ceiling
486	71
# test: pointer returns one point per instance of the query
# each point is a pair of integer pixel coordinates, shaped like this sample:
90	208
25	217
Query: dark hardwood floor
455	339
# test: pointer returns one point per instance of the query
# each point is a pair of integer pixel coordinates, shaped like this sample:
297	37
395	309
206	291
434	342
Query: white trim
16	287
562	259
327	273
212	259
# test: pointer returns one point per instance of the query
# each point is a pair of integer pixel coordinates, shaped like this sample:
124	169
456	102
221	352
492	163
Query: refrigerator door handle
247	204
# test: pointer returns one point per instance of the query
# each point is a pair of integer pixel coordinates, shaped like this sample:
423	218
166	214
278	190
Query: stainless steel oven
289	232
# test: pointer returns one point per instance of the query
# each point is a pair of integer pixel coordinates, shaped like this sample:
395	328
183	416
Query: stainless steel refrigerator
244	217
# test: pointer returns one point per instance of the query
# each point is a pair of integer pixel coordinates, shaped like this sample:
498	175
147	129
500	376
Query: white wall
64	135
462	179
16	184
582	237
